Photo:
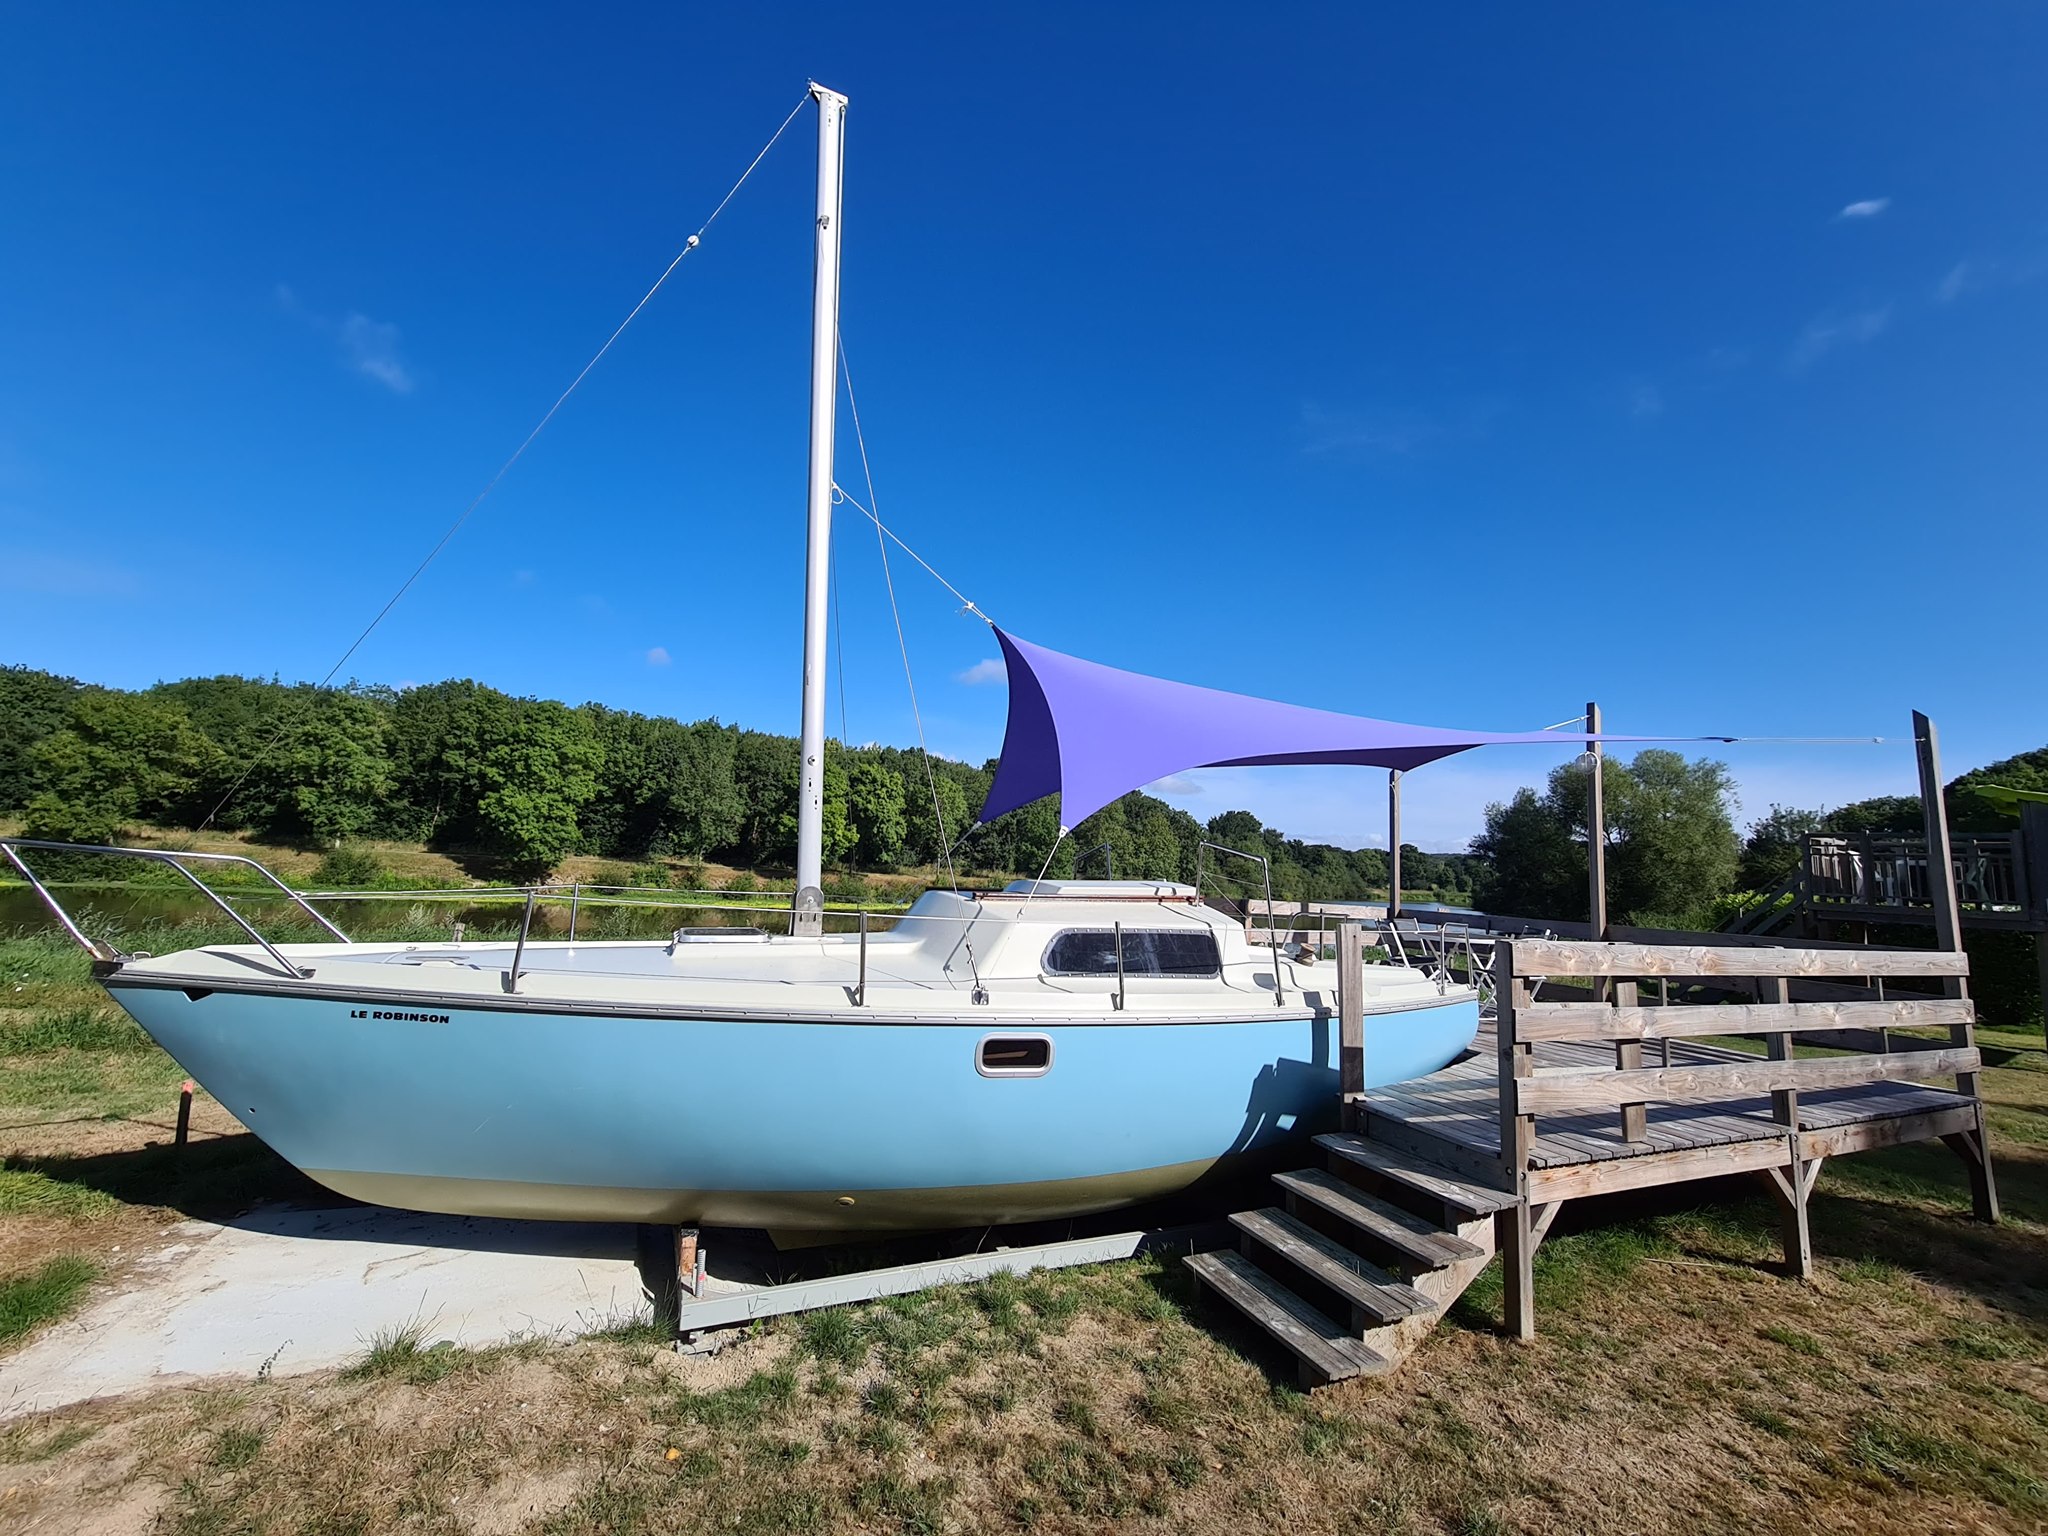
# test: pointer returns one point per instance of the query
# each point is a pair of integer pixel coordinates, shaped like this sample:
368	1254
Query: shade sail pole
1596	832
808	914
1393	842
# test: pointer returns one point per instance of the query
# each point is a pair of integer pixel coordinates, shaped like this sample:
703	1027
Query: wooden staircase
1360	1260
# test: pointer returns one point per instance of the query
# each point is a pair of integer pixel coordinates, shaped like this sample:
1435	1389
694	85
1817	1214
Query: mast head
824	95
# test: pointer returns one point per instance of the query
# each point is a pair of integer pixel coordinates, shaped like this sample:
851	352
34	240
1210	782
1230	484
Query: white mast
808	917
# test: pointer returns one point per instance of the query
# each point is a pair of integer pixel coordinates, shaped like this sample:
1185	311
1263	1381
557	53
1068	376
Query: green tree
322	773
33	705
1675	848
520	769
875	796
929	834
122	757
1883	816
1672	846
1532	866
1775	847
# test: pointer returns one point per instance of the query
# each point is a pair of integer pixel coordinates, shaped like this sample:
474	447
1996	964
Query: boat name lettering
398	1015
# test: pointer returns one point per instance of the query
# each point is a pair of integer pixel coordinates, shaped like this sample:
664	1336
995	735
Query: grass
1900	1391
43	1295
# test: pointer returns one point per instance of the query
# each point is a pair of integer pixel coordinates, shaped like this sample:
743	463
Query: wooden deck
1454	1116
1593	1095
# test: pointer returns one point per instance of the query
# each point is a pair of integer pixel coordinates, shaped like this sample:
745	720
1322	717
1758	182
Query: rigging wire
930	774
492	484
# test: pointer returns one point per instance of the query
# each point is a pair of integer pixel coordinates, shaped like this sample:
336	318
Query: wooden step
1464	1199
1376	1296
1325	1351
1408	1235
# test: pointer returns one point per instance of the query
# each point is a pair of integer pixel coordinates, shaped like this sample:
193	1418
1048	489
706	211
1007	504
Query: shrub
846	887
742	883
353	867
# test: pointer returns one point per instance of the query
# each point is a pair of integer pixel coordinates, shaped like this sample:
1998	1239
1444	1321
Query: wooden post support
1948	934
1628	1054
2034	850
1596	829
184	1114
1793	1186
1516	1240
1393	843
1351	1020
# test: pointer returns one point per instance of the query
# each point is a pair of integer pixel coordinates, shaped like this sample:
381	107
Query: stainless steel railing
12	847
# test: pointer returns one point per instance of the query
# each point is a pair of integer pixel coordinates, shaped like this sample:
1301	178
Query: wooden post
1635	1118
1596	830
2034	853
1793	1190
1517	1242
1393	843
1948	934
1351	1021
1628	1054
184	1114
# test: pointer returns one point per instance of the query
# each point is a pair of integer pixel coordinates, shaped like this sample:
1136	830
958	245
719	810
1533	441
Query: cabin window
1147	952
1014	1056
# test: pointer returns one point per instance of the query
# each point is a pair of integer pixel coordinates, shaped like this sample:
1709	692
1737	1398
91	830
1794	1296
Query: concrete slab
300	1290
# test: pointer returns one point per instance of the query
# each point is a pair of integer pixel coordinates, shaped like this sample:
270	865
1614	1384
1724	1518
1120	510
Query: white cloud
1869	208
658	657
1176	784
371	347
1953	286
1827	332
983	672
1645	401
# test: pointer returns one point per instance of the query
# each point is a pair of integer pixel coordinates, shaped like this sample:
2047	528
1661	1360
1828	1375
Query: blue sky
1446	365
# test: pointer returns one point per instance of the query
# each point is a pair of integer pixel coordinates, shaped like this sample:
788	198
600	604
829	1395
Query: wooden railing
1625	1023
1990	872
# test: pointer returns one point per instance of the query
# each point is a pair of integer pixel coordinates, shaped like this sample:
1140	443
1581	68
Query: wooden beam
1628	1057
1893	1131
1614	1174
1517	1242
1561	1092
1551	957
1350	1015
1679	1021
1948	935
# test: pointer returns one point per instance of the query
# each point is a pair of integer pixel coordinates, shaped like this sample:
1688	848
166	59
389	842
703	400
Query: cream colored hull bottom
866	1210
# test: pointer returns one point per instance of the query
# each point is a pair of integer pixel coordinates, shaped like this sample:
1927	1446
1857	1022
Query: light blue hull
799	1125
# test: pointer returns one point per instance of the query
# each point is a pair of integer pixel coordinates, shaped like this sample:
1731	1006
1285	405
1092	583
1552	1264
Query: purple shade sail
1091	733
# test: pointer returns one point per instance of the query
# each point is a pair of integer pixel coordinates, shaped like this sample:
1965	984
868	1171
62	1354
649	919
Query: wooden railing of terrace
1573	1095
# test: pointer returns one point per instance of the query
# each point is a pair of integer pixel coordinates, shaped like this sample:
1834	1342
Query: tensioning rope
491	485
888	580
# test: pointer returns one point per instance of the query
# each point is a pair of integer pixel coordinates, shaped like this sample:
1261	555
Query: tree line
526	782
1674	857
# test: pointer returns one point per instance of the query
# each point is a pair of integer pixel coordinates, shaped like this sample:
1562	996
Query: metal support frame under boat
12	846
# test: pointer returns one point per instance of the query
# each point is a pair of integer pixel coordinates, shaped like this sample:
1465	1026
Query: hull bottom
867	1210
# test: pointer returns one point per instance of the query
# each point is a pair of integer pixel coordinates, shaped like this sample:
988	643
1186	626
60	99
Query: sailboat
1054	1048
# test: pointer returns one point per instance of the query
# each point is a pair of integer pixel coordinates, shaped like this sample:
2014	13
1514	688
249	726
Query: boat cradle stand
704	1320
